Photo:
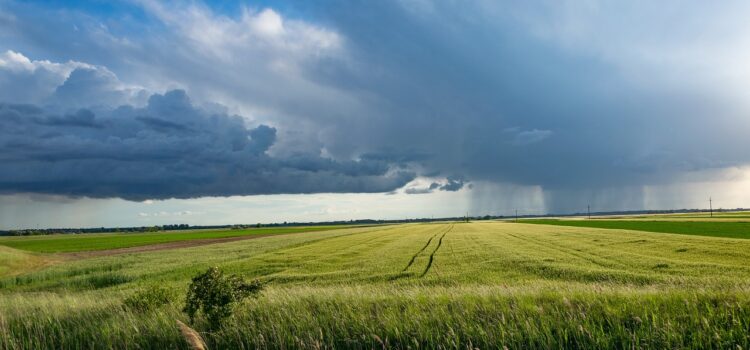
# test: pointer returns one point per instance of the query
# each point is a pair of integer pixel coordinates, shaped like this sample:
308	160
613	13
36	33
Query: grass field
100	241
459	285
700	228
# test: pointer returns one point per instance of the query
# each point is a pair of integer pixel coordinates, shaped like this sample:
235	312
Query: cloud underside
451	184
166	149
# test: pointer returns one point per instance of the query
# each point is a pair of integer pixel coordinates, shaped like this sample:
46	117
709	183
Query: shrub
215	294
148	299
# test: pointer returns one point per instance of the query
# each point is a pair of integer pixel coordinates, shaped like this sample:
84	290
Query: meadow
448	285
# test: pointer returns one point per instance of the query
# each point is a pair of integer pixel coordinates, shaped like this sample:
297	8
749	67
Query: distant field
741	216
716	214
462	285
698	228
65	243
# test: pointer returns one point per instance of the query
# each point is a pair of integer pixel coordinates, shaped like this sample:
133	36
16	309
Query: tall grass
372	318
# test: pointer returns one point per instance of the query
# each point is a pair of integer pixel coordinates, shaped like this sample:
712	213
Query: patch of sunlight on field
14	262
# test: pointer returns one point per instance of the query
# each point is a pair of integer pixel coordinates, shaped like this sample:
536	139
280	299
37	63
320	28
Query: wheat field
447	285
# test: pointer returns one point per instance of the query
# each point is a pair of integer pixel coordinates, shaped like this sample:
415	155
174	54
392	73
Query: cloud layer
567	97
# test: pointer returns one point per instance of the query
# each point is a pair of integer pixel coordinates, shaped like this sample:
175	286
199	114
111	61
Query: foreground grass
101	241
427	317
484	285
701	228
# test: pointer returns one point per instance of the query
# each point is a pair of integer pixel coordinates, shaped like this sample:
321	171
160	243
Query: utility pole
516	215
588	210
710	207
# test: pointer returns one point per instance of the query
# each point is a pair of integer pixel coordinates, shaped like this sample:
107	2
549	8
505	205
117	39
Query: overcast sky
141	112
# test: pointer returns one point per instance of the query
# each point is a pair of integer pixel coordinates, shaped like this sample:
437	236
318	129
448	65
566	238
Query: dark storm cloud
167	149
452	184
82	118
161	124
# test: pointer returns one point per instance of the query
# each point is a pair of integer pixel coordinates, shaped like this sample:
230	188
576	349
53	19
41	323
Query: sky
139	112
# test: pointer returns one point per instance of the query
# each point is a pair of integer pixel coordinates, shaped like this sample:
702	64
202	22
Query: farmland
84	242
452	285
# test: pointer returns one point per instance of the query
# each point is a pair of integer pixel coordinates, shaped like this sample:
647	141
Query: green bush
215	294
148	298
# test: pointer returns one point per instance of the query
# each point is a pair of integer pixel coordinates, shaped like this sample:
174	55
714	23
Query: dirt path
165	246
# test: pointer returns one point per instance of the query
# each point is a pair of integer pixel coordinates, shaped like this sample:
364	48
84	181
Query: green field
700	228
717	216
463	285
100	241
704	215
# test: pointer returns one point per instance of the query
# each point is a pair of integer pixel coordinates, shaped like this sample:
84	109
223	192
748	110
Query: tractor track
414	257
432	255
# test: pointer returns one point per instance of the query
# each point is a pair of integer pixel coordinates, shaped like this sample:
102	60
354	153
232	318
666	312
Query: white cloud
16	62
227	38
23	80
70	84
266	22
